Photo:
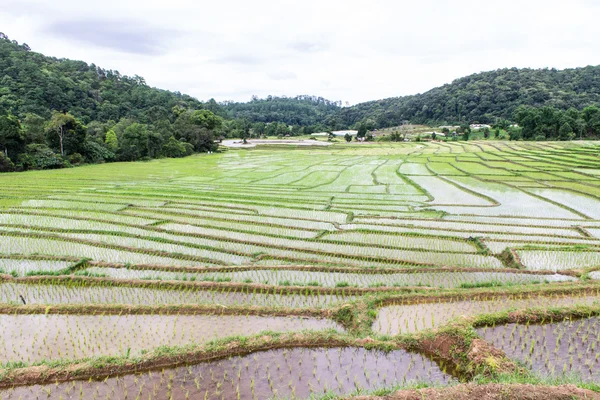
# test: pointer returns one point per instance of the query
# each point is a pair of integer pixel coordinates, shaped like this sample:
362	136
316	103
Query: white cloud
342	50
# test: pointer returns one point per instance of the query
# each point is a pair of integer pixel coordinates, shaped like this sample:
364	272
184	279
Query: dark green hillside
299	110
485	97
31	82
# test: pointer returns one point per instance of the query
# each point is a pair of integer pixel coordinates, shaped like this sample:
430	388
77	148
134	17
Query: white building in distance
479	126
336	133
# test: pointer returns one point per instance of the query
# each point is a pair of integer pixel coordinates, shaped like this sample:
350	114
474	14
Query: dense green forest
59	112
306	111
484	98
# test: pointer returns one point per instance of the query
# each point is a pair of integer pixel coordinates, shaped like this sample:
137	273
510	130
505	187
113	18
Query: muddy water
62	294
284	373
396	319
563	348
32	338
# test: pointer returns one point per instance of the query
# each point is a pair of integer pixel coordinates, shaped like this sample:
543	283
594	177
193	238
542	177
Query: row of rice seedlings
517	221
77	293
213	249
405	318
283	373
73	205
567	348
209	227
381	229
497	247
558	260
22	267
278	211
33	338
532	239
32	245
469	226
201	217
91	215
76	224
403	241
96	198
248	210
43	221
225	195
335	279
211	255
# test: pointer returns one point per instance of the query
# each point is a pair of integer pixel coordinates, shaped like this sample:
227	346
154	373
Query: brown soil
511	259
482	357
445	348
492	392
481	354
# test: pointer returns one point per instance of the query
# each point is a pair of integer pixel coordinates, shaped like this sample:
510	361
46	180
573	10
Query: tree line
549	123
484	98
59	112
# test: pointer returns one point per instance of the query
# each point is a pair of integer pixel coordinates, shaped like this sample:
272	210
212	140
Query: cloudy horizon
349	51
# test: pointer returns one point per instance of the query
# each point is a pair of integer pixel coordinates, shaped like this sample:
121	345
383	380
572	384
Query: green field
390	242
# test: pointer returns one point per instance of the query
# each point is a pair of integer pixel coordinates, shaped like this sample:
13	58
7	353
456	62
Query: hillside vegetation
485	97
58	112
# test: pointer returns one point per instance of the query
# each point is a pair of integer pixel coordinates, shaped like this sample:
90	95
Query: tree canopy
484	98
58	112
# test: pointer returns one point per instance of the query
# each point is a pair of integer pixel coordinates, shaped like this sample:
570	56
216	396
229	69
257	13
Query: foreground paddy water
554	349
396	319
33	338
76	294
448	219
286	373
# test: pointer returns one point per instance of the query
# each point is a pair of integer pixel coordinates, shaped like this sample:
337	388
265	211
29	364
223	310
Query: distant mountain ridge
33	83
484	97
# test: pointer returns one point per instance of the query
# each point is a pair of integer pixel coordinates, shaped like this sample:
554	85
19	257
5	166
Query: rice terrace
303	272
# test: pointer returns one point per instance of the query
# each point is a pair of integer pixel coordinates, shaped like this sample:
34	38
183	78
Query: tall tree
58	123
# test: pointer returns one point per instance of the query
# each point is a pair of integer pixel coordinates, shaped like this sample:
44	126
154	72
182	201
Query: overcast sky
346	50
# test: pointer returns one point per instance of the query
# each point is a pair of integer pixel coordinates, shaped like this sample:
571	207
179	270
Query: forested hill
34	84
57	112
31	82
484	97
299	110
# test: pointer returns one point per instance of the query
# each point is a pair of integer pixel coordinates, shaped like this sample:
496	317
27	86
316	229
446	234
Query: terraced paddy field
298	273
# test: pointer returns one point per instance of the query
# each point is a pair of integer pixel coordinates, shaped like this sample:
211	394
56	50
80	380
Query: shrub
75	158
6	165
40	156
